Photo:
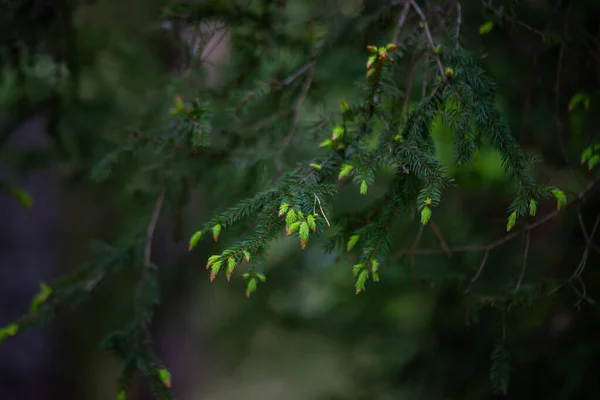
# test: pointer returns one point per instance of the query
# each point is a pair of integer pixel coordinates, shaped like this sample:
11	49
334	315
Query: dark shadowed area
403	195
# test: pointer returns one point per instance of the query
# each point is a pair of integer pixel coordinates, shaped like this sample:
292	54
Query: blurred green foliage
304	335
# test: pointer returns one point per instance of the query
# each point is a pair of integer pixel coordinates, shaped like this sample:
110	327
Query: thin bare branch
557	119
584	232
401	21
278	85
414	246
458	22
425	78
586	252
499	14
428	34
524	266
478	273
322	212
443	245
298	106
151	228
296	74
529	227
410	81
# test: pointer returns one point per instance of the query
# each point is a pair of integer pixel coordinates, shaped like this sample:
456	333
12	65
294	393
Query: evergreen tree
417	70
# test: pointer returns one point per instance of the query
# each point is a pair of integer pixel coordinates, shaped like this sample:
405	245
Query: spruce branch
464	100
158	377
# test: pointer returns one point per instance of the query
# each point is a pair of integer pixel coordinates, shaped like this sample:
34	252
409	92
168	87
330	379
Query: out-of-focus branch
428	34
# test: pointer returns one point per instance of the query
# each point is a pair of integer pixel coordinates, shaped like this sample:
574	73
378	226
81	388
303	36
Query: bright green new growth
298	201
41	297
302	201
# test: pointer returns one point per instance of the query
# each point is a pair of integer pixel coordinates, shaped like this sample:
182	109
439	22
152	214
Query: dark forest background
80	76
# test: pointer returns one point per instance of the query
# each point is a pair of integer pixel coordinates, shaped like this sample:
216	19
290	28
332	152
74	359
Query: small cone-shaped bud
326	143
338	132
371	61
216	231
165	377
